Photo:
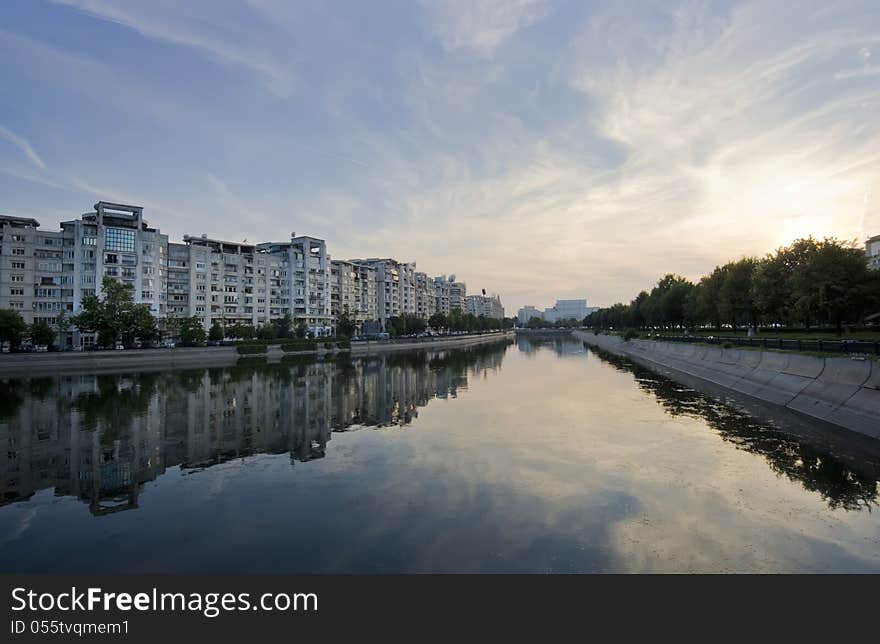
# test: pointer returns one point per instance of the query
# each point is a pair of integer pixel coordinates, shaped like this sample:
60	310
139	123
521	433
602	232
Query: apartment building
388	287
872	251
308	277
449	294
219	281
30	270
426	298
486	305
116	242
353	289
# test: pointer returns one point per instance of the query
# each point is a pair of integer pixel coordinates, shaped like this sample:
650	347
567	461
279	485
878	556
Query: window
19	265
119	239
90	241
17	278
16	291
18	251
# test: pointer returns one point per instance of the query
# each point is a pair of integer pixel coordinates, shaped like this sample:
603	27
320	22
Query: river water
535	456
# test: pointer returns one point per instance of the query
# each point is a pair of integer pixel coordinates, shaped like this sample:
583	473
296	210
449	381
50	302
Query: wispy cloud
22	144
539	149
480	26
192	24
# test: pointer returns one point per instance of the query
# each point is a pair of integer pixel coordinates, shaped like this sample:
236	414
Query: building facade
353	291
43	273
872	251
485	305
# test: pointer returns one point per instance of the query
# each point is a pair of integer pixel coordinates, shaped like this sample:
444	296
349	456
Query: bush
595	331
299	345
245	349
328	345
344	344
727	345
630	334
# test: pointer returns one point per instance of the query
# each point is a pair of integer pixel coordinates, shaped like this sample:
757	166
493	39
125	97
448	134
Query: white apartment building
486	305
426	299
872	251
353	289
116	242
218	281
526	313
388	287
308	274
31	270
449	294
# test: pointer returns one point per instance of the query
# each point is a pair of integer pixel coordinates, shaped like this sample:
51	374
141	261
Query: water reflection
844	478
101	437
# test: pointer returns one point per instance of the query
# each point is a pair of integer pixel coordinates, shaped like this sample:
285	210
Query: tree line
808	283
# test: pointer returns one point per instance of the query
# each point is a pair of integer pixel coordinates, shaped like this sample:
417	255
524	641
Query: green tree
535	322
115	316
41	333
344	326
191	333
267	332
438	321
833	283
216	333
283	326
302	330
12	327
736	301
63	324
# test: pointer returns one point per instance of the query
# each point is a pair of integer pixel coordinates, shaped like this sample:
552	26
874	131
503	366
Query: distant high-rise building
872	250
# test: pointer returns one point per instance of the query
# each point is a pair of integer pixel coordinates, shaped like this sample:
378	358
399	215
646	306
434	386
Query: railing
784	344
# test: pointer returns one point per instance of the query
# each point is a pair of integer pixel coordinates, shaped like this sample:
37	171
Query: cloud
480	26
22	144
199	26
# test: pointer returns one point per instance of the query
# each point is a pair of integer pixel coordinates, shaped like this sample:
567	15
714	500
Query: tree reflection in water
816	468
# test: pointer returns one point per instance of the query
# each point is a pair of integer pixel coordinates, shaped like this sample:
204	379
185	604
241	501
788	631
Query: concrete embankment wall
26	364
838	390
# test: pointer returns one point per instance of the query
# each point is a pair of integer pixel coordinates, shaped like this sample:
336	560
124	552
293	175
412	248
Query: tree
438	321
833	283
535	322
302	330
63	324
736	296
115	316
191	332
12	327
267	332
344	326
283	326
41	333
216	333
141	325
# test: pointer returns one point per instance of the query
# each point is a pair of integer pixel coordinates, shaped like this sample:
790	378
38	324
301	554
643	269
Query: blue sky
533	148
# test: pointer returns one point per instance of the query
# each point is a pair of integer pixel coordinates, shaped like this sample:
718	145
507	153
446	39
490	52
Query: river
538	455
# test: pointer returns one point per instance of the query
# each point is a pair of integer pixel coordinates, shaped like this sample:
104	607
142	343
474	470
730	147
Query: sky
536	149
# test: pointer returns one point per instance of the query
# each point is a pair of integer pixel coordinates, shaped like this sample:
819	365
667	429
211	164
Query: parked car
119	346
41	348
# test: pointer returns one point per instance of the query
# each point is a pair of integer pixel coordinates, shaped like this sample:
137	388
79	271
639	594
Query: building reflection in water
845	475
101	437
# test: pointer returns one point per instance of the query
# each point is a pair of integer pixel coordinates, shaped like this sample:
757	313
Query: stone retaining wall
839	390
25	364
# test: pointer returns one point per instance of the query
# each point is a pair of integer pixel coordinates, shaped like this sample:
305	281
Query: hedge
302	345
251	348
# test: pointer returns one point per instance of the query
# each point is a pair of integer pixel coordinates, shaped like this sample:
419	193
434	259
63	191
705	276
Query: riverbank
27	364
841	391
